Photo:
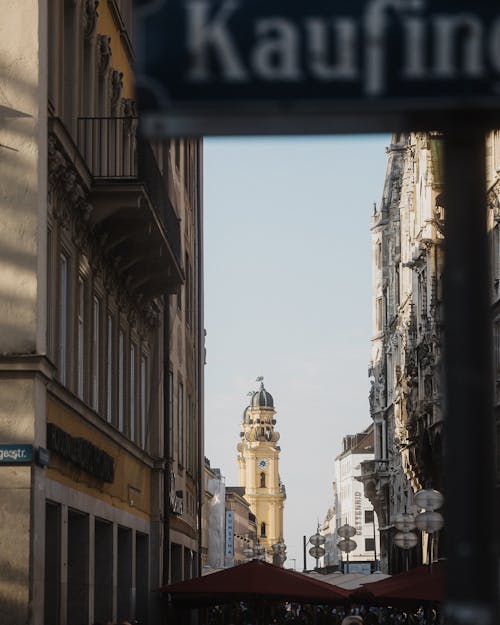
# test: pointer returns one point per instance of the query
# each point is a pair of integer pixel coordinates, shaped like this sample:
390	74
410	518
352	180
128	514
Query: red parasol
252	580
416	586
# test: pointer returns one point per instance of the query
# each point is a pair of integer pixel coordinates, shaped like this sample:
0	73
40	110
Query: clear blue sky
288	296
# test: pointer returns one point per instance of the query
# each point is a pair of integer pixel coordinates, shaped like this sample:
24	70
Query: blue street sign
16	454
249	58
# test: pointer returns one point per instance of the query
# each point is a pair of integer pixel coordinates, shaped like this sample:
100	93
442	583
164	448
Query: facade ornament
493	200
129	107
116	84
103	53
90	18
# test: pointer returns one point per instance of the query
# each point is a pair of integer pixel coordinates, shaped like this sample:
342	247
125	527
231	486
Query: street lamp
316	551
429	520
279	555
405	538
346	532
257	552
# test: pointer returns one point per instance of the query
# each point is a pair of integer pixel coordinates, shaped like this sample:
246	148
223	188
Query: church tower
258	460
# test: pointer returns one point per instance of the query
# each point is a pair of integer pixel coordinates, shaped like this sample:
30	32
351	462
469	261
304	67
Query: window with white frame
110	367
96	350
180	423
121	379
171	412
63	317
132	394
144	398
81	337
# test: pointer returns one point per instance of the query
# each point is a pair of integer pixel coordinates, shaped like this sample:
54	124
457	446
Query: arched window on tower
262	529
262	480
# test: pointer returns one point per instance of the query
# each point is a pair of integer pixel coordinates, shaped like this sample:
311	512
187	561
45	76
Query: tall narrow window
189	450
81	337
171	413
121	385
144	398
96	351
180	423
132	395
262	529
262	480
379	314
109	368
63	318
50	295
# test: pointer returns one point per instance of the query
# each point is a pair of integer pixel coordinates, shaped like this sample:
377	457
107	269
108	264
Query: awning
254	580
413	587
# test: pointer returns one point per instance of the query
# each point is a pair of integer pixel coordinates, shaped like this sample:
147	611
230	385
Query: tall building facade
406	396
101	367
258	460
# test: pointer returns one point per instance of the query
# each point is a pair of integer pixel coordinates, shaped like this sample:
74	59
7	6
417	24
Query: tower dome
246	415
262	399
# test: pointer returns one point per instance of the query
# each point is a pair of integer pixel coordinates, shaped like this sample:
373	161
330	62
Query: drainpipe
167	417
200	351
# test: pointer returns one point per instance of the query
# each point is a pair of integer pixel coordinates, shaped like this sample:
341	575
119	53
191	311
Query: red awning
253	580
415	586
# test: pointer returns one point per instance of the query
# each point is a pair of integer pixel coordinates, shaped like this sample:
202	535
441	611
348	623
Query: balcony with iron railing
131	206
374	469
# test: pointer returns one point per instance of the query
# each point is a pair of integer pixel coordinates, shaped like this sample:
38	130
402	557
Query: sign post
471	525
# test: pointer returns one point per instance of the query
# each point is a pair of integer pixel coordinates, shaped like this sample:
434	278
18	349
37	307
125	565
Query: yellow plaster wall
120	60
128	470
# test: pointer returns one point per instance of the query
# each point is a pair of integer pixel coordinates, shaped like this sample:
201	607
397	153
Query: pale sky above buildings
288	297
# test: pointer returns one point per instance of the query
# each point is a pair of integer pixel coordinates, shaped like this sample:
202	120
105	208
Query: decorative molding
71	209
103	44
90	18
116	88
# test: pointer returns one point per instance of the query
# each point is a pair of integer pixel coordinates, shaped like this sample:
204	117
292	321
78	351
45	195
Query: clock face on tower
263	463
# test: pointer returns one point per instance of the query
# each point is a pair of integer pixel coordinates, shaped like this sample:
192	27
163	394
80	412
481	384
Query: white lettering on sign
229	552
435	47
14	455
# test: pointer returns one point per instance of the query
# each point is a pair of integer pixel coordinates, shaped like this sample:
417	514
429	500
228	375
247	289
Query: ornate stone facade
406	394
405	400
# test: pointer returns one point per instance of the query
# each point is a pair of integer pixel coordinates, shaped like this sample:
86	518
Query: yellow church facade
258	460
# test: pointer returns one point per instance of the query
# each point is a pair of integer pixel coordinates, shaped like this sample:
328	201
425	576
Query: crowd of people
244	613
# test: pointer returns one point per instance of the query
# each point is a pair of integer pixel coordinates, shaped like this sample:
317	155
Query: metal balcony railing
374	467
113	150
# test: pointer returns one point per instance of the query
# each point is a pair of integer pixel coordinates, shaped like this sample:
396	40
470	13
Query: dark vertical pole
167	418
304	543
375	564
472	583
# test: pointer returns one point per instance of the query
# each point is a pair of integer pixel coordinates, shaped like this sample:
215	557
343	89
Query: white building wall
352	505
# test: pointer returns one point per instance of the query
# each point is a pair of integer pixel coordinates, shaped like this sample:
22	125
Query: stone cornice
27	364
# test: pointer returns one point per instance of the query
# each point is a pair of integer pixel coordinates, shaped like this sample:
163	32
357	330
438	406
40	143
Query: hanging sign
216	66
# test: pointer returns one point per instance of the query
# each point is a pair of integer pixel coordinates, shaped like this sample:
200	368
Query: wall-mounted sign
219	66
229	548
82	453
16	454
43	457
